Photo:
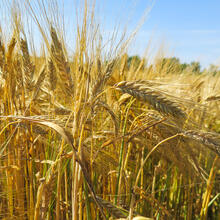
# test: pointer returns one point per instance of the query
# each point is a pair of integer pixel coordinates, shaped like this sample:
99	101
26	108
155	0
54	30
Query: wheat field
87	135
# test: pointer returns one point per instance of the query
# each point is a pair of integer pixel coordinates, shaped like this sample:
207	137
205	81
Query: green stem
122	150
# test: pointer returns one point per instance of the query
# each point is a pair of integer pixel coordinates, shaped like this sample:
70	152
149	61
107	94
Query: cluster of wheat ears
93	138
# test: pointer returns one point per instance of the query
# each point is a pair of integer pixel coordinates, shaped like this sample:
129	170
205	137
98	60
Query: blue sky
188	29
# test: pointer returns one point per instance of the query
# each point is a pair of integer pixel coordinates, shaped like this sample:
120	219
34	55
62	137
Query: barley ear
61	63
28	67
154	98
208	139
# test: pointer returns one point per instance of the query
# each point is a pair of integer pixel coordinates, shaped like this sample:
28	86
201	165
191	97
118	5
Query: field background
94	133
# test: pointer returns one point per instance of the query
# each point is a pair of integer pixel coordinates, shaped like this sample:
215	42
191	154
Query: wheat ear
2	54
102	79
28	67
52	75
61	63
115	211
39	82
209	139
157	100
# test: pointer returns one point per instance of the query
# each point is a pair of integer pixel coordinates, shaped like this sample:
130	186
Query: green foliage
135	62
